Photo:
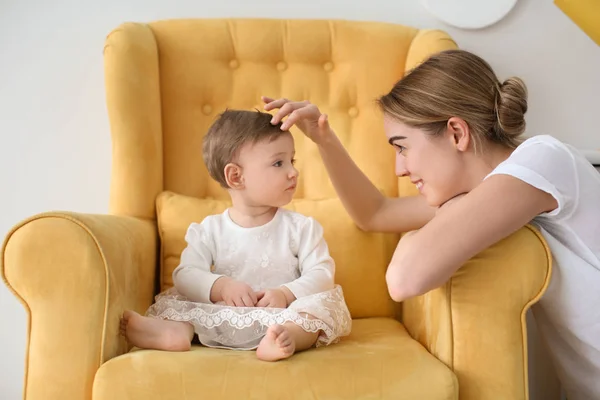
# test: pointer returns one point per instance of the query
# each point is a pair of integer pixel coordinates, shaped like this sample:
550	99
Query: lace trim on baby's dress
242	327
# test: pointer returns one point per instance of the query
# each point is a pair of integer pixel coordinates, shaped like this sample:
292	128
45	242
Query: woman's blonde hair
456	83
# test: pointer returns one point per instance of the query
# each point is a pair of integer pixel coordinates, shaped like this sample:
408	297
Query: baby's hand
238	294
274	298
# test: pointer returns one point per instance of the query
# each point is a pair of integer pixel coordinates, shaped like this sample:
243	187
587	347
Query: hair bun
511	106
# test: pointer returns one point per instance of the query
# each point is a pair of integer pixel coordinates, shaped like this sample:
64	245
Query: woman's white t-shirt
568	315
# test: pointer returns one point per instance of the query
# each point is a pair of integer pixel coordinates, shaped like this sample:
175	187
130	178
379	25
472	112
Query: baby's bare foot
277	344
158	334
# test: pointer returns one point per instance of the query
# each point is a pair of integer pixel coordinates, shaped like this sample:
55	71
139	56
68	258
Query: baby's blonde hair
456	83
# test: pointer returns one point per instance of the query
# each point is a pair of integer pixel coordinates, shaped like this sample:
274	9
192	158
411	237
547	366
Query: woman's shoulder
541	140
544	151
548	152
551	166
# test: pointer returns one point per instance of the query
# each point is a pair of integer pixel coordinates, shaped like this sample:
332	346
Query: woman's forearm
360	197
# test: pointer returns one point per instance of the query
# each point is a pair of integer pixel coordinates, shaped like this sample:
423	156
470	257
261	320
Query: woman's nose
401	166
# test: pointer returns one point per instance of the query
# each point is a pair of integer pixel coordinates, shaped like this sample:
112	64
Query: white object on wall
469	14
593	156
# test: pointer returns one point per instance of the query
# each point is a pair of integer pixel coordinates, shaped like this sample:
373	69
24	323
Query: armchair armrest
475	323
75	274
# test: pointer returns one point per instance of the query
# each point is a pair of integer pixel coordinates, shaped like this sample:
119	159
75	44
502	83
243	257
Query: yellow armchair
165	83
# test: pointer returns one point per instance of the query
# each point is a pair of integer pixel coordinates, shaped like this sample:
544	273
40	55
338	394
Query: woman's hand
303	114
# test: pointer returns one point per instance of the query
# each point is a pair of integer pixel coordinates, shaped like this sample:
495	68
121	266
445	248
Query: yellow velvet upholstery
475	323
379	360
75	274
165	83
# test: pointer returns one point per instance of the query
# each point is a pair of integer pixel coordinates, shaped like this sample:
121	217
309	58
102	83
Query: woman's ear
234	177
459	133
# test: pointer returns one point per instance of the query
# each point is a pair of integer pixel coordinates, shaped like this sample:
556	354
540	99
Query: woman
456	130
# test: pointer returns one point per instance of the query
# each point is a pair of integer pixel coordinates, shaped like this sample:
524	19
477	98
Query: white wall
55	151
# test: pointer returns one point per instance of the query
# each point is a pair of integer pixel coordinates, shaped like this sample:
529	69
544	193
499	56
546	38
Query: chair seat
379	360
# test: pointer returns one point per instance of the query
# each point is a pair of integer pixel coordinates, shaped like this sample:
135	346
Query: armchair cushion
379	360
361	258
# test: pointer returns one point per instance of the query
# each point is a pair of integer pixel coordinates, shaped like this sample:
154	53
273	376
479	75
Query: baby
256	276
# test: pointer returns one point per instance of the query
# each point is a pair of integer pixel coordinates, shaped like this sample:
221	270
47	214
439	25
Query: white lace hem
243	327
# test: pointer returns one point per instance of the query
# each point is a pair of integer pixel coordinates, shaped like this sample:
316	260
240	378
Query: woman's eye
400	149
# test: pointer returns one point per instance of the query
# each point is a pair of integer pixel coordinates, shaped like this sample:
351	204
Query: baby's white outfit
287	251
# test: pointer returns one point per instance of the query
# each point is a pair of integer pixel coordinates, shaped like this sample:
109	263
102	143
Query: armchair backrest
166	81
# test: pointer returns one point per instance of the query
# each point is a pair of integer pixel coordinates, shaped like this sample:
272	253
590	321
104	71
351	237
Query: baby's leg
157	334
281	341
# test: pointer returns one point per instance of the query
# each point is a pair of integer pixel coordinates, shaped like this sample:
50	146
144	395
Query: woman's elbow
402	286
364	226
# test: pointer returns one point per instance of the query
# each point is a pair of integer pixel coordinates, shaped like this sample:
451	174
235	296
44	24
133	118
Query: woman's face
433	163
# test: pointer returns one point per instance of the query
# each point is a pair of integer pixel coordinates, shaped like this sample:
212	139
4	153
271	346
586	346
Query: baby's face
268	171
